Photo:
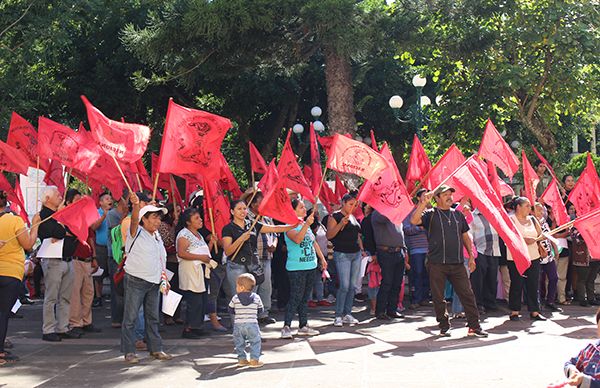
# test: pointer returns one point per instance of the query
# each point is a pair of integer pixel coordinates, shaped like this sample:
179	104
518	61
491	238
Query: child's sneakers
286	333
307	331
255	364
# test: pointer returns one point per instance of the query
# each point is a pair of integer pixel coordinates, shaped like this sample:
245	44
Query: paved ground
403	354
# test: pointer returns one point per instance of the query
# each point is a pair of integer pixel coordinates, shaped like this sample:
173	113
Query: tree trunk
340	93
540	130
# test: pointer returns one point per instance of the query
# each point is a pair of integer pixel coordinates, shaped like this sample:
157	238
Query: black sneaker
383	317
91	329
267	320
477	333
444	332
395	315
97	302
77	331
554	308
69	335
52	337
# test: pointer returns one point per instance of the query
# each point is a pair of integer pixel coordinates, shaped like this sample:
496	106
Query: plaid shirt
588	363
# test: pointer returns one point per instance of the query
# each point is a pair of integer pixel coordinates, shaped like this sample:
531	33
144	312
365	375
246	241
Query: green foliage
578	163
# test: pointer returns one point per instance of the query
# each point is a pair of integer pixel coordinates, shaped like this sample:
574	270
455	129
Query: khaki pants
562	266
505	277
82	295
58	278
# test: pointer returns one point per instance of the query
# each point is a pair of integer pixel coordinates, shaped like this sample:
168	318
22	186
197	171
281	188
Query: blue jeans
138	293
318	286
265	290
419	279
246	334
217	277
140	328
116	300
233	271
348	268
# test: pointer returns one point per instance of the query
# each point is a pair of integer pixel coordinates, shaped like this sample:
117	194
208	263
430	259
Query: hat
420	191
151	209
442	189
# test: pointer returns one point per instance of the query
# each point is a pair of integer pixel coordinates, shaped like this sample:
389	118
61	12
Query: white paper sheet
170	302
203	250
16	306
170	274
48	249
98	272
363	264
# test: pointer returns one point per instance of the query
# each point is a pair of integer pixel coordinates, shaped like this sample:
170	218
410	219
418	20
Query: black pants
301	284
591	280
530	281
194	312
280	278
484	280
392	272
9	291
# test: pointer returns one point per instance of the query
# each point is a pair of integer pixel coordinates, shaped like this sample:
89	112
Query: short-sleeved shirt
301	256
444	231
147	258
346	240
248	253
102	231
12	256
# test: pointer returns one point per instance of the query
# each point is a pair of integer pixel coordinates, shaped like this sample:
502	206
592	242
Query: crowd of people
147	249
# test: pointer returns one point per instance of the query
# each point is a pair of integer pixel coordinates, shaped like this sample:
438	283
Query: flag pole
452	174
212	226
37	182
139	181
258	217
26	229
122	174
253	181
559	229
155	187
421	181
321	184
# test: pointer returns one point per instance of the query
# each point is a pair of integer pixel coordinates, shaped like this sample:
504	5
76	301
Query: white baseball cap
151	209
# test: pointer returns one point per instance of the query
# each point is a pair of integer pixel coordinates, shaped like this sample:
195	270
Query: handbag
257	271
119	274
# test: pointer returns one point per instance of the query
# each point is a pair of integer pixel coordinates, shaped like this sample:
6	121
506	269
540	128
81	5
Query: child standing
584	370
245	307
374	274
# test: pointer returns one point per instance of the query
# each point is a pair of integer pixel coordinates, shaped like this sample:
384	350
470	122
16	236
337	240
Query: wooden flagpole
212	226
122	174
37	182
155	187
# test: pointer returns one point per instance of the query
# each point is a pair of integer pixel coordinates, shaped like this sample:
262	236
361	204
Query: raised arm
135	214
417	217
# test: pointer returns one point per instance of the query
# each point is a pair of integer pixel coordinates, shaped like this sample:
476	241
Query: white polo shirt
148	256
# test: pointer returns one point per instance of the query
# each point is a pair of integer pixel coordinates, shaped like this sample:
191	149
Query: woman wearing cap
144	279
192	252
530	230
12	265
343	230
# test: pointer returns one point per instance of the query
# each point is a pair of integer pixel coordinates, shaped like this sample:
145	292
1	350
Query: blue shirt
102	231
301	256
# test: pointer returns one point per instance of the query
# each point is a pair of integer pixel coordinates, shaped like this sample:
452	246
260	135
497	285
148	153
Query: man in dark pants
447	235
389	242
484	280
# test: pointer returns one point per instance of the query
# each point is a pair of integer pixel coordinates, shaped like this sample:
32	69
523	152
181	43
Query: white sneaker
350	320
338	322
307	331
286	333
331	298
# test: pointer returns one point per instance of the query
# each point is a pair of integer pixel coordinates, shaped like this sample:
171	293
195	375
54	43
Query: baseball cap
151	209
442	189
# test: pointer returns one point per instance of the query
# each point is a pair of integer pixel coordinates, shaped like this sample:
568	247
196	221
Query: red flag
54	176
192	141
216	201
315	162
163	179
418	165
257	163
530	179
289	170
496	150
351	156
147	184
24	137
340	189
544	162
373	142
585	196
327	141
588	226
124	141
15	197
447	164
192	183
270	178
502	188
387	193
78	217
552	198
228	181
73	149
277	205
472	180
326	196
175	196
13	160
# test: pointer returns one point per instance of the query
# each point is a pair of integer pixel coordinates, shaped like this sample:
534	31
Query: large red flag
373	141
257	163
78	217
327	141
290	171
23	136
175	195
418	165
530	179
353	157
588	226
552	198
163	179
54	176
215	201
340	189
277	205
326	196
13	160
192	141
315	162
15	197
124	141
447	164
586	193
147	184
227	180
472	180
387	193
495	149
270	178
544	162
73	149
502	188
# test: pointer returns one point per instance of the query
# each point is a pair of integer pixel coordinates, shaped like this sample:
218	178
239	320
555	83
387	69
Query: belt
384	248
84	260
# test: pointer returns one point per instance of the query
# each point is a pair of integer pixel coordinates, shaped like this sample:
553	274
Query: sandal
8	356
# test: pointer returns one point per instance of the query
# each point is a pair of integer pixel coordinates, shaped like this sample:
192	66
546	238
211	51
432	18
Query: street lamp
415	114
318	125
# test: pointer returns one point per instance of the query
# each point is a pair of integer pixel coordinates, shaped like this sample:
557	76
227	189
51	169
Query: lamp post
318	125
416	113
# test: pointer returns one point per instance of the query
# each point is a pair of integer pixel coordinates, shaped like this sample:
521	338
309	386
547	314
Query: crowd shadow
220	370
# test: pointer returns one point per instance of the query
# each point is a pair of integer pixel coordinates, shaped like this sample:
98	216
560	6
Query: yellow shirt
12	255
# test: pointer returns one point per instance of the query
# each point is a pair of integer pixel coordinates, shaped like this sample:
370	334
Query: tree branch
16	21
541	84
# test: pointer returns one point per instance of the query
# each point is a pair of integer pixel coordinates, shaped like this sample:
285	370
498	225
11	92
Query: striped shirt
245	307
485	237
